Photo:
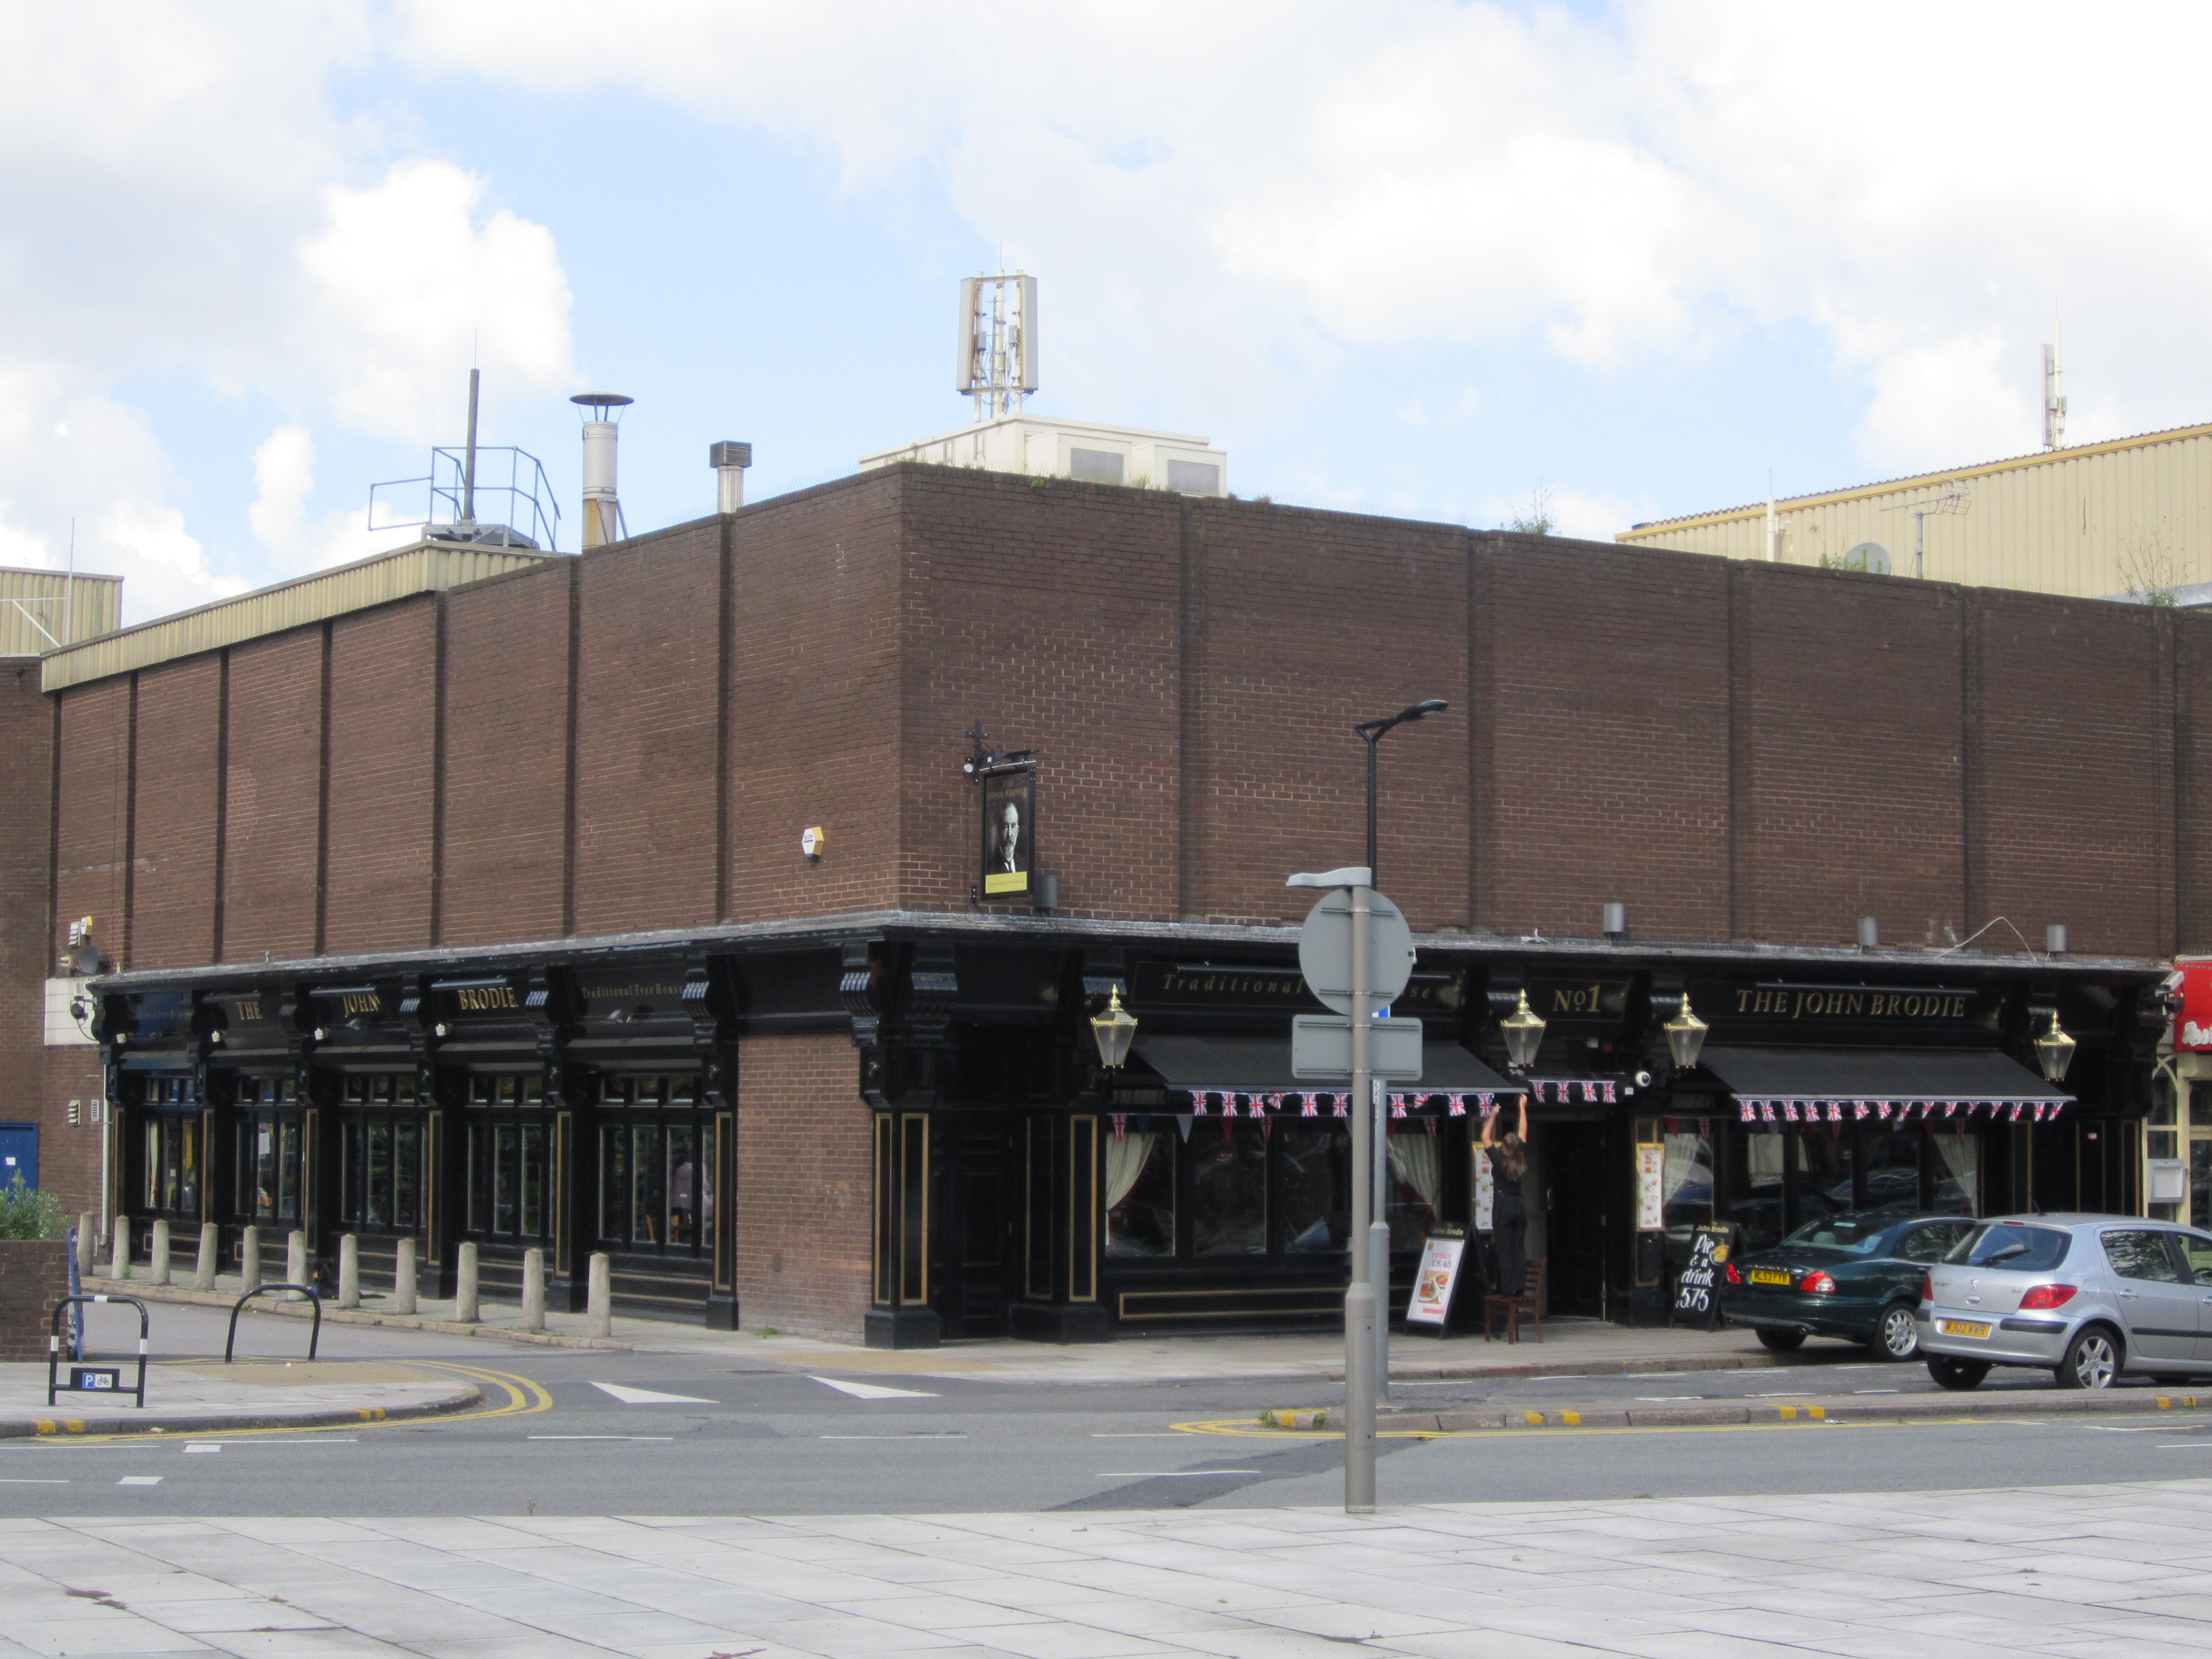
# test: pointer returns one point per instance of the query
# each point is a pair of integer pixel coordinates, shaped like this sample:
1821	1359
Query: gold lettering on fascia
1782	1002
480	998
248	1008
360	1002
633	992
1577	999
1274	985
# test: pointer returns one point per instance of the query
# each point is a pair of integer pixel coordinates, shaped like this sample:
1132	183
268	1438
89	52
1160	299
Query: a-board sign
1443	1254
90	1379
1697	1292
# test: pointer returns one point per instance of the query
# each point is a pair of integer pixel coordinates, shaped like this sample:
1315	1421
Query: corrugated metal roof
425	567
69	608
1914	481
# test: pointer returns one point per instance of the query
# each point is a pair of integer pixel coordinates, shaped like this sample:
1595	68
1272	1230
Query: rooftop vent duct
729	461
603	513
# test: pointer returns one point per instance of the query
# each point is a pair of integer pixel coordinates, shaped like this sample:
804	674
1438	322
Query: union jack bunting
1766	1111
1197	1103
1743	1110
1310	1109
1343	1106
1120	1125
1397	1105
1457	1105
1858	1108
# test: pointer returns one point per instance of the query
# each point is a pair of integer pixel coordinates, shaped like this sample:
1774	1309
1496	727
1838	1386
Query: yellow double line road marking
1245	1428
506	1395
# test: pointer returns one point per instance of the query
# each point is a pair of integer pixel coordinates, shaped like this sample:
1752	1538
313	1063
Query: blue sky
1417	258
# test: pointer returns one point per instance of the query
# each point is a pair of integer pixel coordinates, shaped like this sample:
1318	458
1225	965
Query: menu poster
1697	1292
1650	1188
1430	1302
1485	1193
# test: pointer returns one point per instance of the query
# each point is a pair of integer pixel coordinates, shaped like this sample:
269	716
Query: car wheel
2092	1361
1896	1334
1957	1373
1782	1341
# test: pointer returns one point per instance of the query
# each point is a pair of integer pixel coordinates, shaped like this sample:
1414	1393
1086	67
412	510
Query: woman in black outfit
1509	1210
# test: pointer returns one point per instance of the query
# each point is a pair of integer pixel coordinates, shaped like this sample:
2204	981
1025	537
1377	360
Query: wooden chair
1512	1307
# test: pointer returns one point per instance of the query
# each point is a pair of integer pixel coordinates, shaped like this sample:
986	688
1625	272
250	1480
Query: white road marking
601	1437
1164	1474
872	1390
214	1448
947	1436
1665	1399
26	1480
1875	1391
140	1480
1149	1434
630	1397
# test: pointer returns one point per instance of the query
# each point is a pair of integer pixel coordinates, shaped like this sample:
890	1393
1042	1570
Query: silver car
2086	1297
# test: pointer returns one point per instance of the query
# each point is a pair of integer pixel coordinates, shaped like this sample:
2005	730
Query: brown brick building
481	911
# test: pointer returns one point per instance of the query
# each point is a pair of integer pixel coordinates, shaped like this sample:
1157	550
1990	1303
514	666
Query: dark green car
1856	1277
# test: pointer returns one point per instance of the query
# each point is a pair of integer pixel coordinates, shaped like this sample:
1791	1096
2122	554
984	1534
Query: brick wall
814	731
384	702
179	794
1052	616
34	1278
92	815
507	757
273	798
26	801
647	726
804	1182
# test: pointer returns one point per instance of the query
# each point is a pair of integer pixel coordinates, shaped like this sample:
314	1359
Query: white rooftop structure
1045	448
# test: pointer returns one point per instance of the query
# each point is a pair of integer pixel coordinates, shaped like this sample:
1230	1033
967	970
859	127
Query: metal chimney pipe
729	461
468	462
603	520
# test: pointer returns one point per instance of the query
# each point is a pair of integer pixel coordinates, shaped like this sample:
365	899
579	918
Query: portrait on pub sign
1009	833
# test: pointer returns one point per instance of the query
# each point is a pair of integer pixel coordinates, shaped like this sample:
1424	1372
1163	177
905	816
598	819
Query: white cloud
409	290
284	476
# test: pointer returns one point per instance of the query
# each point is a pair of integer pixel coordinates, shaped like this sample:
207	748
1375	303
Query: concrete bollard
533	1290
295	1258
402	1277
118	1258
210	1248
160	1253
249	1258
599	1308
465	1284
88	1243
349	1271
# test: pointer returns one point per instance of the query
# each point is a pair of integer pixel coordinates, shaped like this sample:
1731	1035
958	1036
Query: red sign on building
2193	1027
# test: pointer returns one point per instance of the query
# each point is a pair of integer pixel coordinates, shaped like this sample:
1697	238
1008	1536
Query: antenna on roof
998	350
2054	402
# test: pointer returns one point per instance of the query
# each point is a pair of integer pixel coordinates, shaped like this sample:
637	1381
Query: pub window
172	1165
1416	1182
1889	1165
1751	1197
1820	1173
656	1166
1687	1176
1229	1190
510	1150
269	1168
1140	1192
381	1146
1313	1179
1957	1169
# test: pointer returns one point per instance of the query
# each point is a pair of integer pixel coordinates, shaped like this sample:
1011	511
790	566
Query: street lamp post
1371	1101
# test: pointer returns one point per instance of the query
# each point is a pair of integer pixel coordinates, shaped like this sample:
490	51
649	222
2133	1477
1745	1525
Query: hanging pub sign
2193	1025
1442	1253
1009	832
1697	1292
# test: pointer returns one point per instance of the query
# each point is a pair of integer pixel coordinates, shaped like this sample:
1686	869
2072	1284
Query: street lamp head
1686	1037
2054	1051
1524	1034
1113	1030
1371	730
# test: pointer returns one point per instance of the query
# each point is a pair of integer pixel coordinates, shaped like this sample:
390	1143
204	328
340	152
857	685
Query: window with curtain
1416	1183
1958	1171
1890	1156
1820	1173
1687	1175
1141	1194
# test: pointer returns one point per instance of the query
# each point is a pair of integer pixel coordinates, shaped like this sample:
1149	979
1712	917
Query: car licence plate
1768	1276
1963	1326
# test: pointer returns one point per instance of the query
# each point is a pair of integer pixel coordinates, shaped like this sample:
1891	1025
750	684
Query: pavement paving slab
2000	1571
206	1395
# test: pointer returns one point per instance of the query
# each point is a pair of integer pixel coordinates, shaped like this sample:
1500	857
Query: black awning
1261	1066
1768	1083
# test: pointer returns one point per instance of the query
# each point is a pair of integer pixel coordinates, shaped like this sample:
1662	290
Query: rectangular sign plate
1769	1276
1321	1049
1962	1328
87	1380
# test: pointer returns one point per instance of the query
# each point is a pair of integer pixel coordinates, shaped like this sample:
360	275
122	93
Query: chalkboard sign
1443	1254
1697	1292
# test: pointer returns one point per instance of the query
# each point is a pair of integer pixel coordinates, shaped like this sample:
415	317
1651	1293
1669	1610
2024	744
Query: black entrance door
986	1205
1577	1183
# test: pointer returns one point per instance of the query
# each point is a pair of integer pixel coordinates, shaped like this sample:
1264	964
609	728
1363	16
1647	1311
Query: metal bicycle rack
314	1336
78	1370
